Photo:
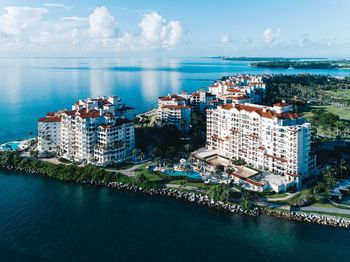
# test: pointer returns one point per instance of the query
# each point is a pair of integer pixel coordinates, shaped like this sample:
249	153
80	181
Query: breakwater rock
204	200
307	217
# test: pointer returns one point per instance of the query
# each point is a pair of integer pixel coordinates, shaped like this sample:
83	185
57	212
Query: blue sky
175	28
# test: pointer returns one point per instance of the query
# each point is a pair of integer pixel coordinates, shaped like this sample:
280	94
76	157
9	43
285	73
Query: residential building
49	130
173	110
202	100
97	130
272	139
240	85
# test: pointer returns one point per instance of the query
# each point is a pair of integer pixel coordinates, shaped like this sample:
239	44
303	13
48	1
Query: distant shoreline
322	65
267	58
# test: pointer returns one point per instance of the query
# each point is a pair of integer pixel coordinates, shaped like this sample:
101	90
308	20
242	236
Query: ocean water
30	87
45	220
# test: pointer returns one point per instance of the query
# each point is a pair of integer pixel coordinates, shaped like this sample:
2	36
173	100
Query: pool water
189	174
10	146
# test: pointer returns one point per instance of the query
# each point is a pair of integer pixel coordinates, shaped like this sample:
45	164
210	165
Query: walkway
183	187
324	210
127	172
290	195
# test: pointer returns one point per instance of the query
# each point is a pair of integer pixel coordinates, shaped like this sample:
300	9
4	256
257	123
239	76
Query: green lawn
289	201
122	166
322	204
342	112
181	181
152	176
276	195
343	94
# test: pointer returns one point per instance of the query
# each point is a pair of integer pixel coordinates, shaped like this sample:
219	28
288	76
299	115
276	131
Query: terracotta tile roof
69	112
175	107
248	180
169	98
261	148
83	113
227	106
260	111
50	119
233	90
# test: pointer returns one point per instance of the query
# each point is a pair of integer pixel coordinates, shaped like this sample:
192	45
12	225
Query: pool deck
22	144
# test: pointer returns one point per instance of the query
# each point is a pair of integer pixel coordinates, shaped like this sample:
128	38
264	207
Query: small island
265	59
303	64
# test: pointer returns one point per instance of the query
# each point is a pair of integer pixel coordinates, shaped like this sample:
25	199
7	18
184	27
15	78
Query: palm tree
340	126
343	166
329	177
249	199
135	152
142	156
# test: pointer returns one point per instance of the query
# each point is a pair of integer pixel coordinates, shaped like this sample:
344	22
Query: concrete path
182	187
290	195
324	209
127	172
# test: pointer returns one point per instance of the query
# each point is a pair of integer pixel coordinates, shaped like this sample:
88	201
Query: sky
181	28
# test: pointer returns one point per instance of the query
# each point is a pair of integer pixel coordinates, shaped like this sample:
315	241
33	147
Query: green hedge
67	173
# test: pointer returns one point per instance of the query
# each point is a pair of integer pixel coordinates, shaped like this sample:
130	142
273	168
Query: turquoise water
189	174
30	87
12	146
44	220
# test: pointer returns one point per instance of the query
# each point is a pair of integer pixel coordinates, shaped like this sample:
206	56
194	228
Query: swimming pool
10	146
189	174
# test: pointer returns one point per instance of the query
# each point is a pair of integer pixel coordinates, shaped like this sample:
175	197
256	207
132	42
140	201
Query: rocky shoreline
204	200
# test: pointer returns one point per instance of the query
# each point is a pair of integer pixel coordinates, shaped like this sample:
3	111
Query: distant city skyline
315	28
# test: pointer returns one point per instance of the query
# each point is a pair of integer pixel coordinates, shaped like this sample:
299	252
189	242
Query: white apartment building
245	85
96	130
271	139
174	111
49	130
202	100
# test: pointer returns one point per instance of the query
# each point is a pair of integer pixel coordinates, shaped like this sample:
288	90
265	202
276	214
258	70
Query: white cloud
16	19
173	33
74	18
157	31
269	35
25	28
225	39
102	24
54	5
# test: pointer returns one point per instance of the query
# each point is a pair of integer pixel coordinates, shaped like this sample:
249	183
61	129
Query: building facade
96	130
173	110
240	85
272	139
202	100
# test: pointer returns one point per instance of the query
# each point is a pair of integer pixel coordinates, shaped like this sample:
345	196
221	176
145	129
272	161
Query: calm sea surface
43	220
31	87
